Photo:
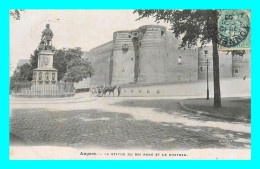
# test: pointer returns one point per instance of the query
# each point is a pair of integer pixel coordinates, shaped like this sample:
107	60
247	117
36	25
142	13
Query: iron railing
35	89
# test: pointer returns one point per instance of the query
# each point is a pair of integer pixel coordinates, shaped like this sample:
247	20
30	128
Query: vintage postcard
130	84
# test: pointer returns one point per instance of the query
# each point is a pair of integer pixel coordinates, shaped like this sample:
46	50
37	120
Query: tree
77	68
24	71
21	74
16	13
60	62
193	26
70	65
33	63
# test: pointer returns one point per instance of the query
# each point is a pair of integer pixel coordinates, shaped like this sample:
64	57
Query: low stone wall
229	86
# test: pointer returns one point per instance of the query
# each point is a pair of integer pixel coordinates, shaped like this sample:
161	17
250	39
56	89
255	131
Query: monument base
45	76
45	89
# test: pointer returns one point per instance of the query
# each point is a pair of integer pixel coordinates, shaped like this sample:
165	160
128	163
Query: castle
150	55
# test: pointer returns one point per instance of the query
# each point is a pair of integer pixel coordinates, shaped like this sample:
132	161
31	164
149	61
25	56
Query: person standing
119	91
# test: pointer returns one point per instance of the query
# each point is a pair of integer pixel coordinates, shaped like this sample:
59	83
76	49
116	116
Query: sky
72	28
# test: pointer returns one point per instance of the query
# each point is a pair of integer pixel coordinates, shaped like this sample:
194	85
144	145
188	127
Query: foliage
59	62
33	63
77	69
21	74
16	13
34	59
71	66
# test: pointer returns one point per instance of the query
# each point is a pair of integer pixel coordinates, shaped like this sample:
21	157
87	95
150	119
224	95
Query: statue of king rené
46	40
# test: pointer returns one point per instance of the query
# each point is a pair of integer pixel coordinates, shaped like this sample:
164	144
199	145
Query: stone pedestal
45	77
45	73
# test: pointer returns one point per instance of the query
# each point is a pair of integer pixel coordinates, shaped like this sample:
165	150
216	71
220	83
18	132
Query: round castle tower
139	55
152	53
123	58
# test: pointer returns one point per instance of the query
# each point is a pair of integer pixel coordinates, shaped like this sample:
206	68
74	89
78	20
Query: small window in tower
206	52
158	91
129	36
236	71
162	33
125	46
201	69
140	44
132	59
180	60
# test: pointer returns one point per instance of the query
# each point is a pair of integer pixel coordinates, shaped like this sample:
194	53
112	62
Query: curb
44	96
181	106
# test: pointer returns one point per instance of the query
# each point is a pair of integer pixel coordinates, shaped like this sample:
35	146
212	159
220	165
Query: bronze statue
46	38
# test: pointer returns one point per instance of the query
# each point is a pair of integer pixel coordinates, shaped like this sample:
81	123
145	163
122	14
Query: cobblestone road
120	123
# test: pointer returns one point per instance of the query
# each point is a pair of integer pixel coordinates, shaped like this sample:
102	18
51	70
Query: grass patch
231	107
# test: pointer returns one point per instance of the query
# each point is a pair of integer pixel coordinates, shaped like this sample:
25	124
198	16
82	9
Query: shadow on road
110	130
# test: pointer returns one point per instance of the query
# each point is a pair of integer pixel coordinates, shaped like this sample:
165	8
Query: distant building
150	54
23	61
84	84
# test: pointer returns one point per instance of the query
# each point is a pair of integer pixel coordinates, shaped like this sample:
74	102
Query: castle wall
225	63
181	64
100	58
241	65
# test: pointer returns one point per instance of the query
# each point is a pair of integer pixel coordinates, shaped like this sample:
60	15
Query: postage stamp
234	30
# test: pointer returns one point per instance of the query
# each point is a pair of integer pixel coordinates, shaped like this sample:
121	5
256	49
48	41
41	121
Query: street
153	123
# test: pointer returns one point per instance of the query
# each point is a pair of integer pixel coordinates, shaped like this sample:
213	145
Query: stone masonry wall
150	54
100	58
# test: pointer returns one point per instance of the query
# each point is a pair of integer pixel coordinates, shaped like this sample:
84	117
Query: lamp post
105	80
207	78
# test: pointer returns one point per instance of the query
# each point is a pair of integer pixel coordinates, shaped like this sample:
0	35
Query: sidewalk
233	108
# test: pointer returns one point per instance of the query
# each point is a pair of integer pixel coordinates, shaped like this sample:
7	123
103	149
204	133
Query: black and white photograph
130	84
